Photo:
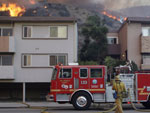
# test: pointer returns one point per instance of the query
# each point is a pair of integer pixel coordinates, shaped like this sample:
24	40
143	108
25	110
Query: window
112	40
54	74
55	59
27	60
83	73
96	73
58	31
146	59
65	73
6	31
145	31
6	60
27	31
42	60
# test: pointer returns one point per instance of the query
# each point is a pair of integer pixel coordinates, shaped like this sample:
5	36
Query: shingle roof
139	19
36	19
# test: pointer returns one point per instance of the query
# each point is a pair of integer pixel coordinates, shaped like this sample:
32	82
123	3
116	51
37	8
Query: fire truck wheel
146	104
81	101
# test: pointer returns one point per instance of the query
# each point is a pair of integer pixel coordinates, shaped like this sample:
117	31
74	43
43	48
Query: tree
95	43
111	63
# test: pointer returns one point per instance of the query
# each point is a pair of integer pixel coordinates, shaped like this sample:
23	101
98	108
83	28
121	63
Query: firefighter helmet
117	77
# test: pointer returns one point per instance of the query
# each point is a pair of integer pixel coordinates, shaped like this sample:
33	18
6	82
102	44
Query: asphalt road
69	109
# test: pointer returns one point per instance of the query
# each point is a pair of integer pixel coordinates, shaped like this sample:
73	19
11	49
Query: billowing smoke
120	4
25	3
108	4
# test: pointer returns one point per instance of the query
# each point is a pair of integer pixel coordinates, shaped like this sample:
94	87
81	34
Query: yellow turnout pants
119	105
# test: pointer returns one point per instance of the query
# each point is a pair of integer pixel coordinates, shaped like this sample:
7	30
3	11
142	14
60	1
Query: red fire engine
82	85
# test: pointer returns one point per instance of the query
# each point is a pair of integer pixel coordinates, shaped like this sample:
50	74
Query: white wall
41	46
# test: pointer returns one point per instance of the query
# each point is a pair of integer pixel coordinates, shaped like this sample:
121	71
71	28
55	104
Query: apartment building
29	48
134	41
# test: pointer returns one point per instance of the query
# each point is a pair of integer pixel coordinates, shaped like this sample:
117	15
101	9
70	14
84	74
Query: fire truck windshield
54	74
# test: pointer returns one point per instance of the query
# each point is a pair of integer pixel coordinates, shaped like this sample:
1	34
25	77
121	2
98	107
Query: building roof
139	19
143	20
36	19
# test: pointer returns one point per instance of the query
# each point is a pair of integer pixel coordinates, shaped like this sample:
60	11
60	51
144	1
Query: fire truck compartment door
97	80
143	86
83	80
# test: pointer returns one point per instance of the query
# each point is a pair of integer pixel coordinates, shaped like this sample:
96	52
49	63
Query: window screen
58	31
6	60
56	59
53	60
96	73
53	32
7	32
62	60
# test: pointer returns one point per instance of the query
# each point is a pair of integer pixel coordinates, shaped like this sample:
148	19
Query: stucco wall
41	46
123	40
134	42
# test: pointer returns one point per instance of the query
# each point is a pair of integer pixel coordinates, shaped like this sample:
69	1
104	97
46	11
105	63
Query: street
68	108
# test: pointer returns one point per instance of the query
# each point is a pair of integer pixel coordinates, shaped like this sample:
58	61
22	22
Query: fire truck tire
146	104
81	101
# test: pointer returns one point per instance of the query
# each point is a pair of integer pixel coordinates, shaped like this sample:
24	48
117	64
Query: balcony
7	44
7	72
145	44
113	49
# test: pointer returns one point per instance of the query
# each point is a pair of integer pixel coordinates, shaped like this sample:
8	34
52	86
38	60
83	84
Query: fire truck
83	85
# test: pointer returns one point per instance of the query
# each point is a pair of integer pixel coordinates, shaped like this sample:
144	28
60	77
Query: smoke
108	4
121	4
20	2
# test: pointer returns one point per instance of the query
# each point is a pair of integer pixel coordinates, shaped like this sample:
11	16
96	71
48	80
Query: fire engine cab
83	85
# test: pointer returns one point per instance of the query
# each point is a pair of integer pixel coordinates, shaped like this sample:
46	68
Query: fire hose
44	109
133	105
37	107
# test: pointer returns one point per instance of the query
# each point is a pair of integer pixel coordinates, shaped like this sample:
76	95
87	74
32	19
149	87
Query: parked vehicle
83	85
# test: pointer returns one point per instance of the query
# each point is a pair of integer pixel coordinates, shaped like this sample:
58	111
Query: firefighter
119	87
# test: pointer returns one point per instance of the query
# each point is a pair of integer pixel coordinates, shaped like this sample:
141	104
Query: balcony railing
7	44
113	49
145	44
6	72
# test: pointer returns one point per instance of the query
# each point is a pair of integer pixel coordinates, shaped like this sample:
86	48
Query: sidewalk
33	104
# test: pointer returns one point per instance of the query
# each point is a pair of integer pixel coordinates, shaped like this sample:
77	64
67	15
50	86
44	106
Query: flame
32	2
114	17
14	9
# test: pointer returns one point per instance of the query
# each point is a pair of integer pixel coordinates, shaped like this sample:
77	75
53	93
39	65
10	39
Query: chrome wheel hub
81	101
